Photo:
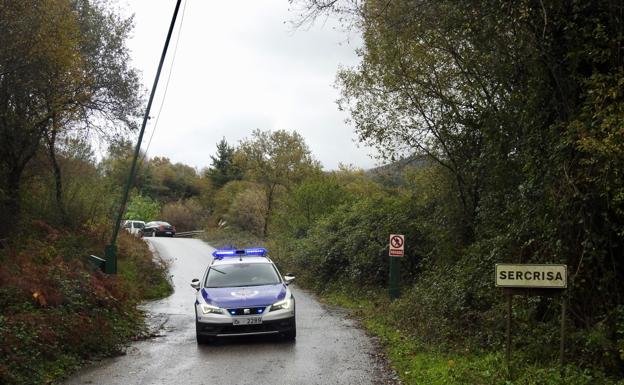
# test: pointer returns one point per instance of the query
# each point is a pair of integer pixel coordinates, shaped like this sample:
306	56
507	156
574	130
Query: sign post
532	279
396	251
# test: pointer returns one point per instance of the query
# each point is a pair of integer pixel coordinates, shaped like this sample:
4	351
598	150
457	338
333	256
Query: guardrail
97	262
189	234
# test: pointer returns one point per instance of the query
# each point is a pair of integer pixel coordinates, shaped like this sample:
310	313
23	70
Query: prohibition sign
397	244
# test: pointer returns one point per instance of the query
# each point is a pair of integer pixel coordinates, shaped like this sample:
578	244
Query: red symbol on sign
396	242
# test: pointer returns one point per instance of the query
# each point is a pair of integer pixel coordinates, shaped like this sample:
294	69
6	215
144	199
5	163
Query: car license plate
168	232
247	321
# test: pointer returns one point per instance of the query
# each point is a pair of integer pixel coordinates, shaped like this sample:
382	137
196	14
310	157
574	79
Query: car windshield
242	274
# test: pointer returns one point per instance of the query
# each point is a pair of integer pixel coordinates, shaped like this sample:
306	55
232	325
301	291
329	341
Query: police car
243	293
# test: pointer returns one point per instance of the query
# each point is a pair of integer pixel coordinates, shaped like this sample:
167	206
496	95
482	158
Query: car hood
235	297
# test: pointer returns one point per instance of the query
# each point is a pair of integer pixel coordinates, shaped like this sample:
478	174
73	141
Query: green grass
418	363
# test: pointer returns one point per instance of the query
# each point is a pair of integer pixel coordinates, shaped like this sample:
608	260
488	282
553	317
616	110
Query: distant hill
392	174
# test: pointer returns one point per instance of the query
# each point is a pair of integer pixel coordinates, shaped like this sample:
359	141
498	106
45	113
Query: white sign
532	276
397	245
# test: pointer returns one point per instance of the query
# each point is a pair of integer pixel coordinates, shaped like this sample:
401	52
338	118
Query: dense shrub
186	215
350	244
57	311
248	211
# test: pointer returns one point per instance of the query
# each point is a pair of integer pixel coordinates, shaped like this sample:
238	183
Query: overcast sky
240	66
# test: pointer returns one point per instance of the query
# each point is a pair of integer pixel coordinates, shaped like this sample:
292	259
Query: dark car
158	229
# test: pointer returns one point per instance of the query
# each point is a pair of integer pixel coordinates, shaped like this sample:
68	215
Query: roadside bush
56	311
232	237
186	215
351	243
248	211
225	196
142	208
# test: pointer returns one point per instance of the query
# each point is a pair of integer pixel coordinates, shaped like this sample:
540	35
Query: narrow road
329	348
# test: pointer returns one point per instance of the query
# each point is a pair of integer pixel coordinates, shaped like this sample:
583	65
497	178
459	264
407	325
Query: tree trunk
58	181
11	203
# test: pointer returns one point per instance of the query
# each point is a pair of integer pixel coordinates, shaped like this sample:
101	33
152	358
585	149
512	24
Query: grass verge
418	363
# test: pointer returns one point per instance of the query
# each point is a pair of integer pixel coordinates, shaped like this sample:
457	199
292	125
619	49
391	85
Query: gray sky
240	66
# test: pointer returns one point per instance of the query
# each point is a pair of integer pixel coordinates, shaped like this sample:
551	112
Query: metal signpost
532	279
396	251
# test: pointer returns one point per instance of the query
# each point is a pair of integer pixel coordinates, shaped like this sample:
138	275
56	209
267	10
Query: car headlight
206	309
281	305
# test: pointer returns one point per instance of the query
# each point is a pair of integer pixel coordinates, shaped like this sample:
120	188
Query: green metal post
110	254
110	251
395	277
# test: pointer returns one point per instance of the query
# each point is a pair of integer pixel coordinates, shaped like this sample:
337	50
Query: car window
139	225
242	274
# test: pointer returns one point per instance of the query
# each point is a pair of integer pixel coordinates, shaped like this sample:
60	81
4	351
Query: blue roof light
256	251
223	253
239	253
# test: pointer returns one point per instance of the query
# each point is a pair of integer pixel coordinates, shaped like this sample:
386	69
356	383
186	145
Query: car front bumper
218	329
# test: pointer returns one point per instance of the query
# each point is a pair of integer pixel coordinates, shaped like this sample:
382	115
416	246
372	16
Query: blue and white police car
243	293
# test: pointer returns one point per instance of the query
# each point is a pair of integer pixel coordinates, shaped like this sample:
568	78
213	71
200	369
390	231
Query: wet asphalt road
329	348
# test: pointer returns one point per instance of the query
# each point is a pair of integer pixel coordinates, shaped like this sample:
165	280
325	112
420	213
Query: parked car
134	227
158	229
243	293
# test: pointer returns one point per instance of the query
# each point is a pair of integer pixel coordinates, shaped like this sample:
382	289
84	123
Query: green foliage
418	361
223	169
81	183
225	196
143	208
171	182
519	108
64	66
307	202
276	161
248	211
56	312
186	215
350	243
228	236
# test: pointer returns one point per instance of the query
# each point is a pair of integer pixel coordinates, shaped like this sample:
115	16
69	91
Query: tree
116	167
275	160
172	181
223	169
63	66
522	104
142	208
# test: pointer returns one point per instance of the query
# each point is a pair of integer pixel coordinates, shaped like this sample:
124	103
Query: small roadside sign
397	245
532	276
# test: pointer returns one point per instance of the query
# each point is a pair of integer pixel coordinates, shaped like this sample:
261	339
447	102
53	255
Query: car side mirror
288	279
195	283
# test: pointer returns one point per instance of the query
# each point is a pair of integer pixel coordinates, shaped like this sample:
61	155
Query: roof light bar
220	253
